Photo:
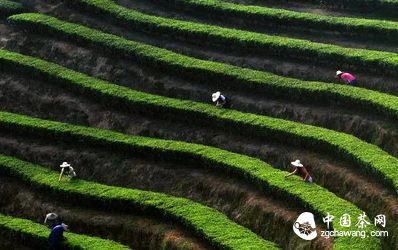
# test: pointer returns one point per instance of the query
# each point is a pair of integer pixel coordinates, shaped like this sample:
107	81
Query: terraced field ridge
35	235
215	227
377	62
347	146
371	28
121	90
243	78
249	168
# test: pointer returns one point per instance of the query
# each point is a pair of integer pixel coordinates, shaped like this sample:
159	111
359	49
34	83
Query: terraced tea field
122	90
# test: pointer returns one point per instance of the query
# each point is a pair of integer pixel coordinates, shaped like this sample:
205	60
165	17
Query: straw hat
297	163
338	72
66	228
215	96
64	165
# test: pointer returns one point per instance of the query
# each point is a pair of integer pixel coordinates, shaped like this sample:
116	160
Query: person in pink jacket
347	78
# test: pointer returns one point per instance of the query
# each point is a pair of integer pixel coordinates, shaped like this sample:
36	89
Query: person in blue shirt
57	235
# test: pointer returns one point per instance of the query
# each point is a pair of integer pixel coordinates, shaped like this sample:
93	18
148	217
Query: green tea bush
35	235
9	8
377	29
205	221
212	225
332	55
368	157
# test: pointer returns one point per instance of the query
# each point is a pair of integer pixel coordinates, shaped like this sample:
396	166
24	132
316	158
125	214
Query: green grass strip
221	73
205	220
10	8
366	60
33	234
384	30
369	157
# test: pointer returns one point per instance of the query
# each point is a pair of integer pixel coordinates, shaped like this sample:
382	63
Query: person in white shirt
67	169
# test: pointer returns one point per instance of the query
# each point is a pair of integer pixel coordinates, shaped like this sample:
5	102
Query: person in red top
347	78
300	170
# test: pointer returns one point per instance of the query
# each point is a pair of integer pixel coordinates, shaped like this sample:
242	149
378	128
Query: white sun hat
338	72
66	228
64	165
297	163
51	216
215	96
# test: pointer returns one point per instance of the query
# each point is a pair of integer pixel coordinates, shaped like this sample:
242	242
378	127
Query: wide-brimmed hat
52	216
64	165
215	96
297	163
66	228
338	72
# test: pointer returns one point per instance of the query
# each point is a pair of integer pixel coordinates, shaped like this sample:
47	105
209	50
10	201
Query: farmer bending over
220	100
57	236
300	170
67	168
347	78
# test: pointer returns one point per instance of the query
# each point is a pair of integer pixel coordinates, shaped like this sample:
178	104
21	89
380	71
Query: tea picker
67	169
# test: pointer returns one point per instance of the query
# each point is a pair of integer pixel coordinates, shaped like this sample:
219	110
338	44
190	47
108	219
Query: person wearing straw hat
51	220
57	235
300	170
347	78
68	169
220	100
